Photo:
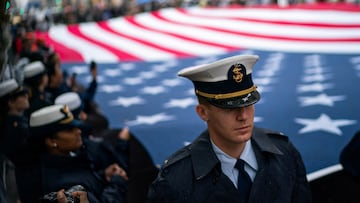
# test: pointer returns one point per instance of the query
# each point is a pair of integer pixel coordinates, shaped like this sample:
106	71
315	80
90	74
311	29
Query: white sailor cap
11	88
34	69
72	99
226	83
51	119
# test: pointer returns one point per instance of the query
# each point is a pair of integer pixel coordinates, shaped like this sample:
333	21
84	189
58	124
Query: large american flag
308	72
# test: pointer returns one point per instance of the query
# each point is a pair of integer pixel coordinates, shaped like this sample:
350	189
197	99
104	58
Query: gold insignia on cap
68	115
238	76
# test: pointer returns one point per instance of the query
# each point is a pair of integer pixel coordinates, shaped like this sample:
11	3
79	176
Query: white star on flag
316	87
172	82
127	101
264	81
150	120
80	69
357	67
160	68
263	89
355	60
258	119
112	72
323	123
266	73
127	66
182	103
316	70
133	81
147	75
321	99
153	90
110	88
316	78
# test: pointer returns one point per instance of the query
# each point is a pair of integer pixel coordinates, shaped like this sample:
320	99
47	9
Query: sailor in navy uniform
36	80
13	131
232	160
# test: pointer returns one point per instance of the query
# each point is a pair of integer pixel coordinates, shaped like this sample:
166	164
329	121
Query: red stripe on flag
249	34
104	25
66	54
320	6
122	56
155	13
274	22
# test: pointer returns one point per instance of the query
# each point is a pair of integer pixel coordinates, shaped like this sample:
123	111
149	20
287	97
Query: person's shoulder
273	141
273	134
176	157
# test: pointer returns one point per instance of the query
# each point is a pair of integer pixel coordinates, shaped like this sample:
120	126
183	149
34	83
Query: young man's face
228	126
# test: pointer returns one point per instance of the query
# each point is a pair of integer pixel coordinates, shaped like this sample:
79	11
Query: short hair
93	65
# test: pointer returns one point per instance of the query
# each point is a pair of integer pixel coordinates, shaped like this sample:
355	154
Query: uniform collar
203	156
247	155
264	143
201	148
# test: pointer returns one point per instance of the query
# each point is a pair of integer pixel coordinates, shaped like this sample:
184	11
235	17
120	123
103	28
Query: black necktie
244	181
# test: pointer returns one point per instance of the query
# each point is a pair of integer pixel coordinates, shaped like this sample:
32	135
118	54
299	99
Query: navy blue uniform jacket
350	156
193	174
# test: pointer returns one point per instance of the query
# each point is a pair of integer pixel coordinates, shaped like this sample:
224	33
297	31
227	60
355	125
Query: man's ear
202	111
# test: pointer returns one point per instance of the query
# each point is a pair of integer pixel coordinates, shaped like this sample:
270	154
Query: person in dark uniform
63	162
56	85
59	83
232	160
89	94
103	151
36	80
350	157
13	131
14	125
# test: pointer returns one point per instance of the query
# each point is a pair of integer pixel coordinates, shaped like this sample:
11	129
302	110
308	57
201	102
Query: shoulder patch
177	156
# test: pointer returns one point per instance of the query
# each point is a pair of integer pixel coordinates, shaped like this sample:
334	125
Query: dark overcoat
350	157
193	174
52	173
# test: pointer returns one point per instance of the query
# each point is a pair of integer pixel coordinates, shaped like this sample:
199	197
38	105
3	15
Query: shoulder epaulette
272	133
178	155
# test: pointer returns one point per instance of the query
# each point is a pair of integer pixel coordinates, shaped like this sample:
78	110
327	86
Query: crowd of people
52	133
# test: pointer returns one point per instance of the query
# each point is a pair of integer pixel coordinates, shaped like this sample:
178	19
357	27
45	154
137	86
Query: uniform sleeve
160	191
302	191
350	156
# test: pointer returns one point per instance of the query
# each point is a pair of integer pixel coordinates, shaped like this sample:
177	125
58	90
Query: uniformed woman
63	162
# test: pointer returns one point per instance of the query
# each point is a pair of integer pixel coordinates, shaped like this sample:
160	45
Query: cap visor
75	123
236	102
